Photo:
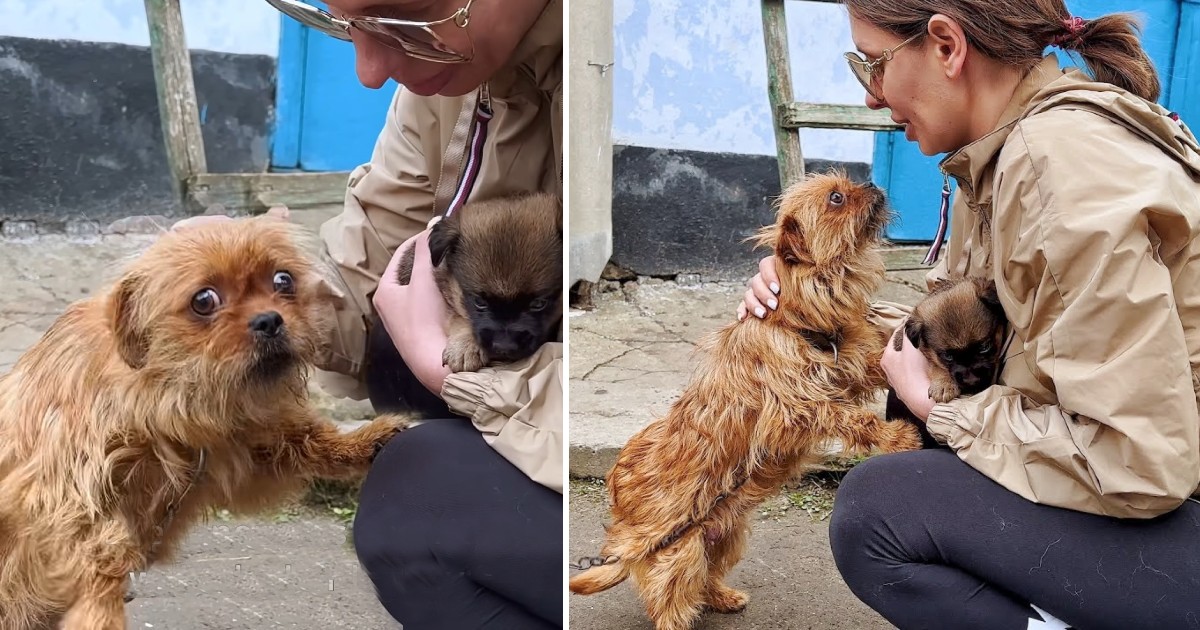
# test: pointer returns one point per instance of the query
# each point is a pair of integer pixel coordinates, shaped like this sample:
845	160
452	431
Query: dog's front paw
943	390
462	354
725	600
382	429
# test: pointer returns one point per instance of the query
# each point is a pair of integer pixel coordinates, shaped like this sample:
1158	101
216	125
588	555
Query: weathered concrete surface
787	572
632	355
260	575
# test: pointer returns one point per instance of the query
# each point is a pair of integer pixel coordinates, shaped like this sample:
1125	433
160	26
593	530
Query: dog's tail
599	578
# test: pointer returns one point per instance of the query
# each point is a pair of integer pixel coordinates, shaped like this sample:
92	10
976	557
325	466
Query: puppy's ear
989	297
130	334
914	330
443	238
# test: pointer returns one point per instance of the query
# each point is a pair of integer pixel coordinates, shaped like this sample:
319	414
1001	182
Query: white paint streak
236	26
693	76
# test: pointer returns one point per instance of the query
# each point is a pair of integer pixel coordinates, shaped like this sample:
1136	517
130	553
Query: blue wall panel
326	120
913	180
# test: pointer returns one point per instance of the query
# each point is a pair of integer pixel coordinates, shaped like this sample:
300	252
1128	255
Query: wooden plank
779	90
255	192
825	116
176	93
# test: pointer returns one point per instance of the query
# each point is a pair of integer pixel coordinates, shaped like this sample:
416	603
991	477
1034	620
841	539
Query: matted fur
761	403
102	420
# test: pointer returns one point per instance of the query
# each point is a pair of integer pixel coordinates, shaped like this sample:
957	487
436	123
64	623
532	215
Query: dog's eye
539	304
986	348
284	283
481	305
206	302
836	198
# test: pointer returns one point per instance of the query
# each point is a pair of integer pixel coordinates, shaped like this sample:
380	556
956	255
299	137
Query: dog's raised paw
725	600
943	392
383	429
463	355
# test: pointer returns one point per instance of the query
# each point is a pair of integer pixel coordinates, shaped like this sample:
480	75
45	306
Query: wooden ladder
789	116
195	188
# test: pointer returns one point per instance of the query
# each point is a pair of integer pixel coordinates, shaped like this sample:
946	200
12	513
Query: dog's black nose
267	324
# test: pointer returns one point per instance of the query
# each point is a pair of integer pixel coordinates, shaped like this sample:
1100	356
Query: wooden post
779	89
176	94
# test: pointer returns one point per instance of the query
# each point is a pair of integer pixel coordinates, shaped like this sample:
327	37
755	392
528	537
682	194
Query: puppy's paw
943	390
725	600
463	355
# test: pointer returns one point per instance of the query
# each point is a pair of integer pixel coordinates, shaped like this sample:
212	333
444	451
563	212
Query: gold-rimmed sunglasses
868	71
415	39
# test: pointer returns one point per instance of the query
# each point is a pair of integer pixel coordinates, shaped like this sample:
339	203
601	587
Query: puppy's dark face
221	306
505	256
960	326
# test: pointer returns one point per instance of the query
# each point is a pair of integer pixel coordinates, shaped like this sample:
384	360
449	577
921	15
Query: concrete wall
694	171
79	109
232	26
692	75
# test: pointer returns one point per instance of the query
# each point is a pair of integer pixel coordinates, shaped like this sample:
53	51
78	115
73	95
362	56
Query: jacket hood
1048	87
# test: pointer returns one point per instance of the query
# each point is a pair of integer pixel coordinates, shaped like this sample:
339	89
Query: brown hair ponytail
1017	33
1111	48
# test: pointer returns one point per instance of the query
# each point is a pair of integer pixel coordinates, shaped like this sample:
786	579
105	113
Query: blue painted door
1171	35
325	120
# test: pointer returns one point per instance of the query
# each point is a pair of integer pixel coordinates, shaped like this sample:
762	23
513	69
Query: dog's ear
914	330
443	238
130	334
989	297
939	285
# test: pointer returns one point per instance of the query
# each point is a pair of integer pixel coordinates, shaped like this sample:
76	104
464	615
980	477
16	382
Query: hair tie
1074	27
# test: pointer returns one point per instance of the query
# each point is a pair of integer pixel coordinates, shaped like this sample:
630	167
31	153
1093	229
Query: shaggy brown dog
177	390
762	402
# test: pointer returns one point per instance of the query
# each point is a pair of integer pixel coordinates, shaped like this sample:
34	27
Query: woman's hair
1017	33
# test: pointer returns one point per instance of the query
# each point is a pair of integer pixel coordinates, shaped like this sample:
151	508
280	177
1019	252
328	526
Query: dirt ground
788	571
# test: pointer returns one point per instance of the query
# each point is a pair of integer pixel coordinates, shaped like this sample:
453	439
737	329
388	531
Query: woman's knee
874	489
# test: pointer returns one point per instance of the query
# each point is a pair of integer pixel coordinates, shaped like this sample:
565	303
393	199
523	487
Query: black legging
929	542
455	537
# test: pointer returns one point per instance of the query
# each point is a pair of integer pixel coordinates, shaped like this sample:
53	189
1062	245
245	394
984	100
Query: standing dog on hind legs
762	402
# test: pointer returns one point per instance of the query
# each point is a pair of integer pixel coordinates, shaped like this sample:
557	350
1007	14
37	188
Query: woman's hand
764	286
415	314
908	373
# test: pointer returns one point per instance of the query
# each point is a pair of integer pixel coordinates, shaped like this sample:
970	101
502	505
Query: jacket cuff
943	422
464	392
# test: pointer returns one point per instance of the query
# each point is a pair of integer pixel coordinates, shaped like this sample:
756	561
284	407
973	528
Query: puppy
959	328
498	264
178	389
765	396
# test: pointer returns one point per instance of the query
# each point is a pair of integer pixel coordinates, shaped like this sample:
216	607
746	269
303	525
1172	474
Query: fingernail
773	303
760	312
775	288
